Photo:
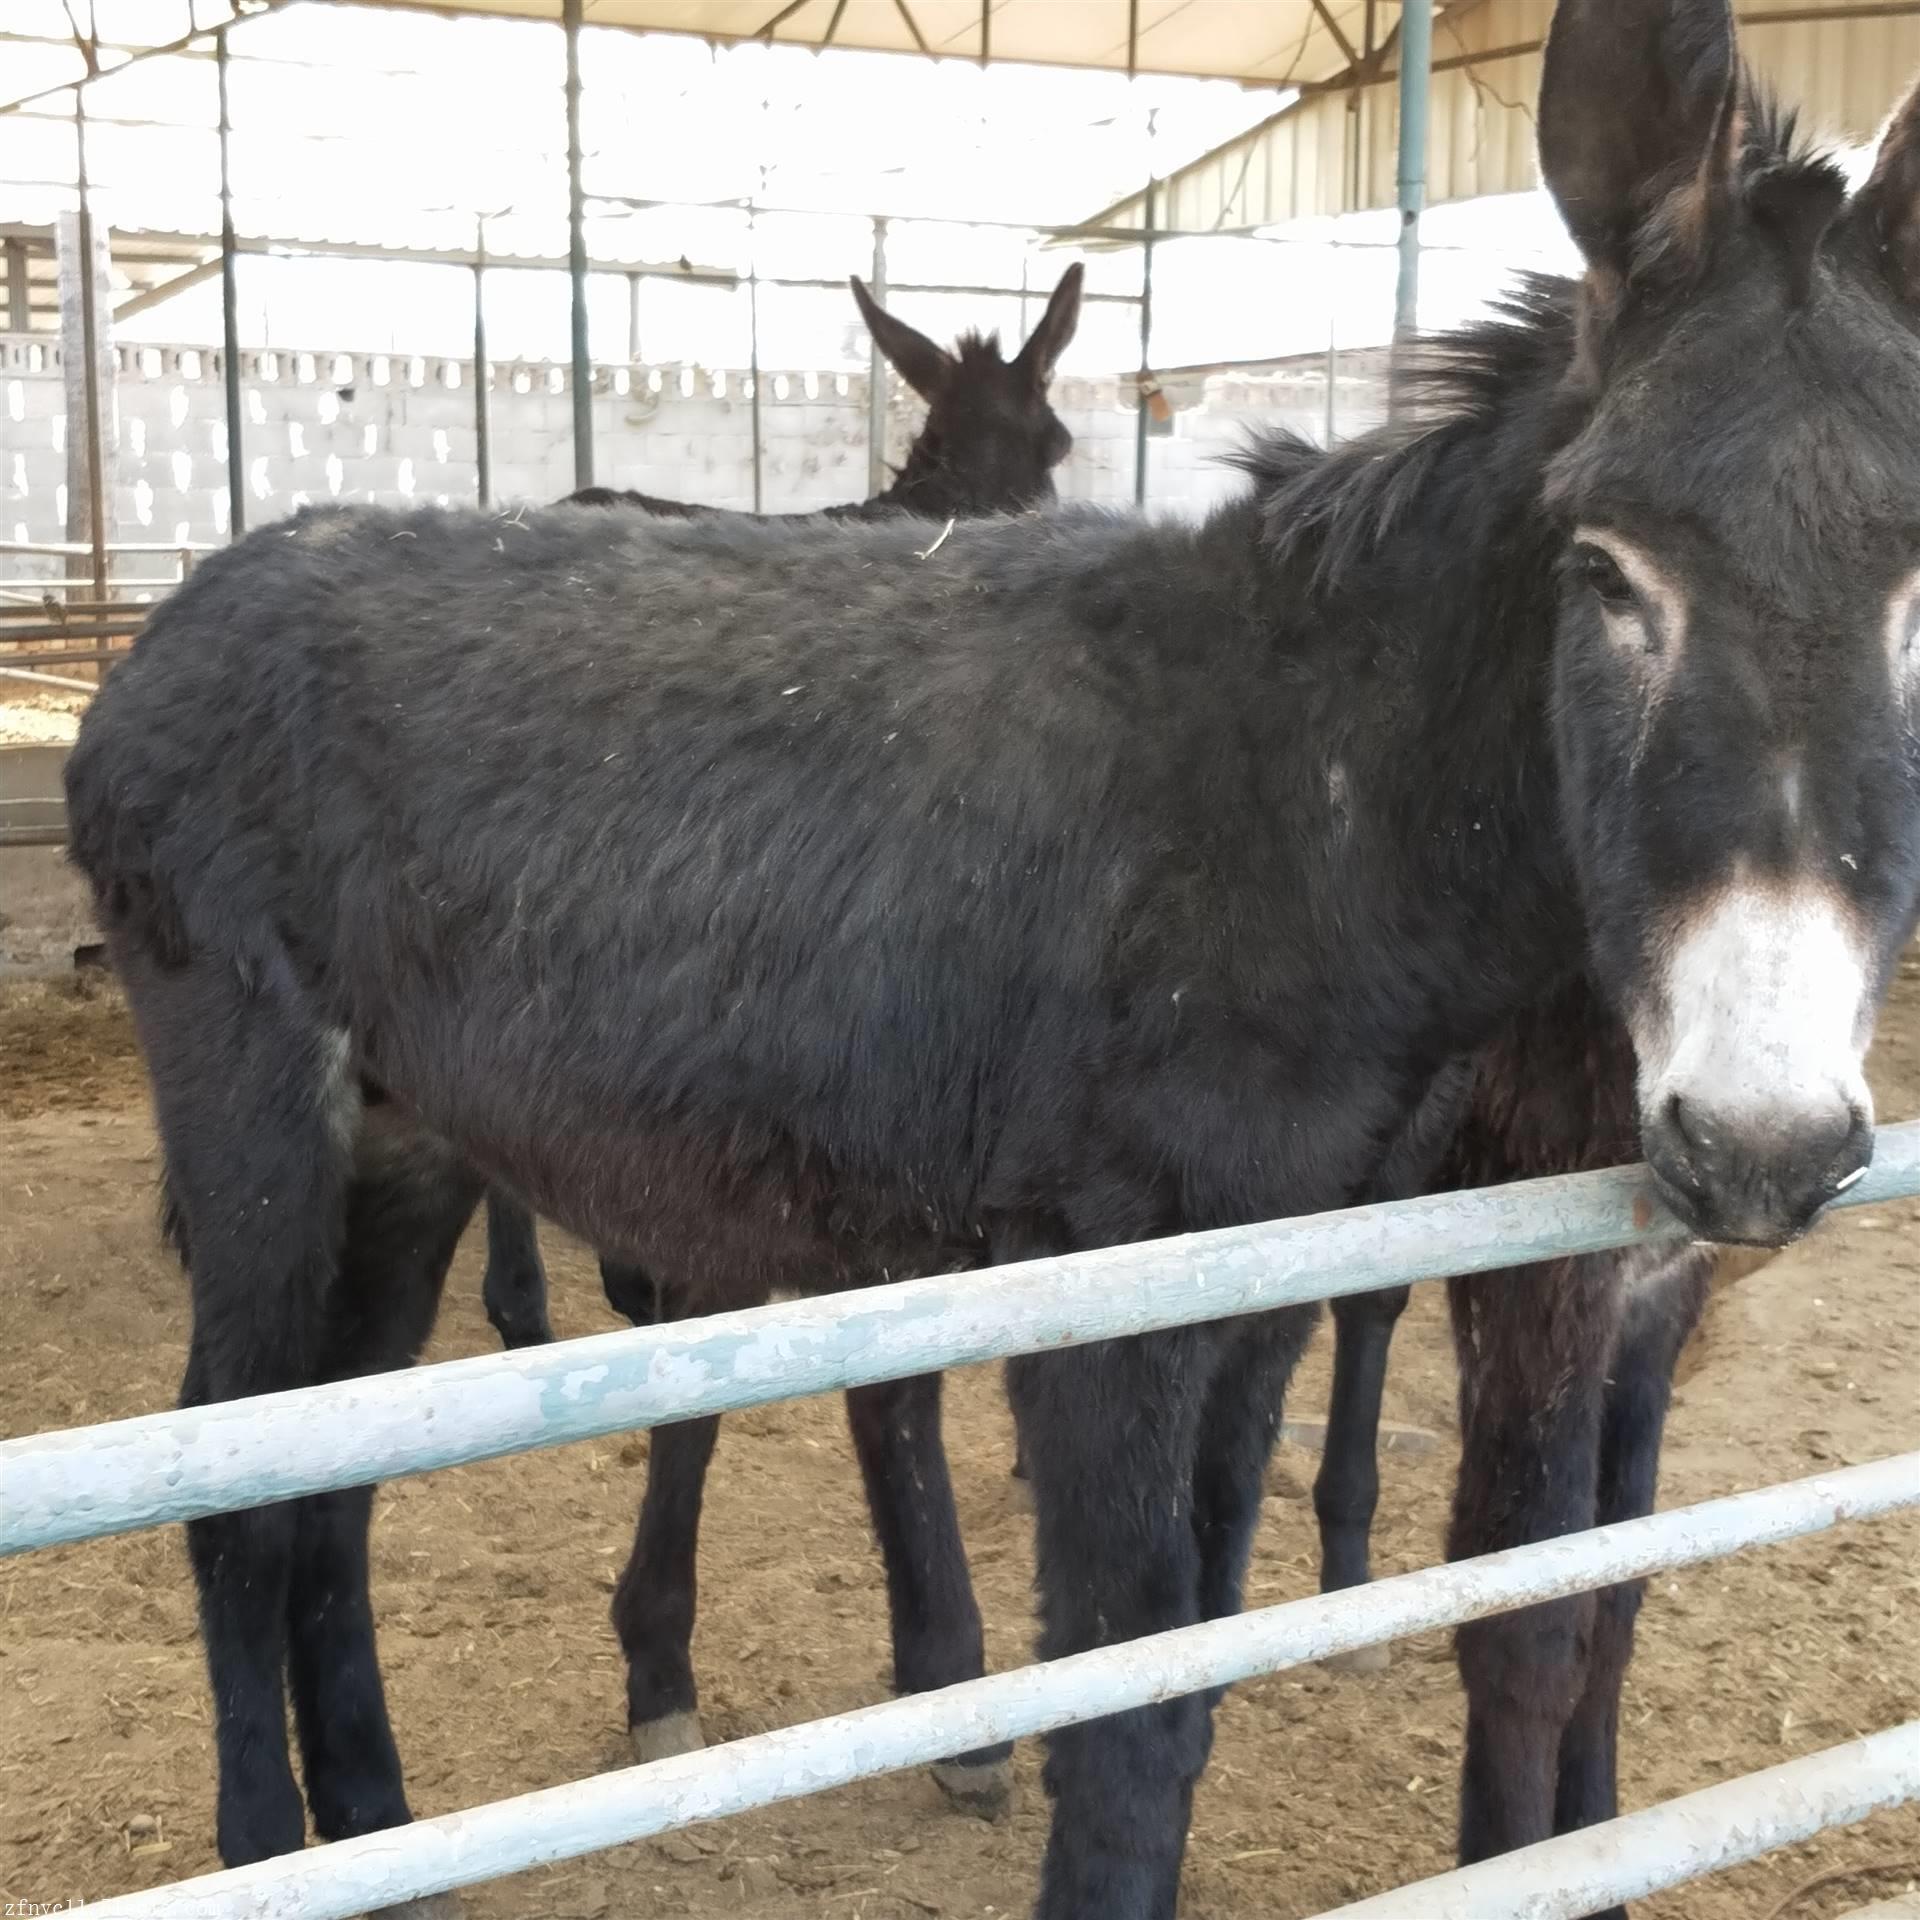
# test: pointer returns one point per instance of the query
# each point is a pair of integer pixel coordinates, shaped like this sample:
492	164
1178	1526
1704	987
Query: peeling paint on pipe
92	1481
559	1823
1668	1845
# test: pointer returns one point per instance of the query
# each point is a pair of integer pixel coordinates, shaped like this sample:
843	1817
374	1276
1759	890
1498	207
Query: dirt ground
35	715
492	1585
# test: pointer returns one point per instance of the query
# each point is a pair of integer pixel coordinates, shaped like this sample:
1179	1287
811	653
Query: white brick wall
346	432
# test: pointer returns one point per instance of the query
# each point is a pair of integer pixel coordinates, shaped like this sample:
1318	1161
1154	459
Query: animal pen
77	1485
97	1481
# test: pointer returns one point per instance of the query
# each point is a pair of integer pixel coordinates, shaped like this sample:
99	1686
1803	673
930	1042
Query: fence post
230	311
577	258
1416	74
877	372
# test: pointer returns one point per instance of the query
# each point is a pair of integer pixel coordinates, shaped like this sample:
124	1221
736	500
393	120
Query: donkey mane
973	345
1328	511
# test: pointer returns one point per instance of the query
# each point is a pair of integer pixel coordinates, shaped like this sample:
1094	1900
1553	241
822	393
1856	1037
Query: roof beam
89	52
1340	40
166	290
1286	155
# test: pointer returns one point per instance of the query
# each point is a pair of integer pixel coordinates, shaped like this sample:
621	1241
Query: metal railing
144	1472
69	619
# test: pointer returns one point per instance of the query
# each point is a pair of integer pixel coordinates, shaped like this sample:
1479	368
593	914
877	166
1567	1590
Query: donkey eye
1600	571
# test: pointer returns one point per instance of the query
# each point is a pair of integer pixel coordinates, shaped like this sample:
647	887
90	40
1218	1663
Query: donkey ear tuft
1887	208
1049	339
1637	118
921	364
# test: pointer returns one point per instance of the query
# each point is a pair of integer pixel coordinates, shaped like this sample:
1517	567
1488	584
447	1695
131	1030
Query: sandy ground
492	1584
32	715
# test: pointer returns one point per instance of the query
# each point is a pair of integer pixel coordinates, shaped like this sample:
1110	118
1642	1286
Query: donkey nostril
1688	1132
1850	1164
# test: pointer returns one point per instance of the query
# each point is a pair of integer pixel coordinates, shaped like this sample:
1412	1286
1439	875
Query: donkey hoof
661	1739
1360	1660
983	1789
430	1906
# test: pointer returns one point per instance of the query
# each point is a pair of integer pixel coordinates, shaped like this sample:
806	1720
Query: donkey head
991	441
1738	653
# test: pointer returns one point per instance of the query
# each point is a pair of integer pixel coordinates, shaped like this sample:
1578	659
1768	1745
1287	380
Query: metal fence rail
91	1482
128	1474
1668	1845
632	1803
558	1823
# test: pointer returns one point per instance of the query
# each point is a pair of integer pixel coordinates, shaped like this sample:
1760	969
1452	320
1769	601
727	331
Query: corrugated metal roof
1263	42
1272	43
1335	149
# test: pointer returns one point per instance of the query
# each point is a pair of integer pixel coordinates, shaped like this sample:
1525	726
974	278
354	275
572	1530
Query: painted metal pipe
558	1823
1416	80
47	679
93	413
570	13
482	406
877	370
1668	1845
1140	420
753	361
90	1481
230	309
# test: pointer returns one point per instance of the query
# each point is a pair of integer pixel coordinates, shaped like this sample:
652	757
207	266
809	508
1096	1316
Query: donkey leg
1112	1437
1239	1424
515	1287
410	1202
632	1293
1661	1312
242	1569
1347	1488
936	1621
1533	1350
1022	1480
655	1602
255	1114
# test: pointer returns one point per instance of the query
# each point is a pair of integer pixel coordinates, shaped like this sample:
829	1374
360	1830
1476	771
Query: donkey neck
1428	570
928	486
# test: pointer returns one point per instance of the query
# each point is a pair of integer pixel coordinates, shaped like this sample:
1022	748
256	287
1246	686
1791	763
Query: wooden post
86	354
19	300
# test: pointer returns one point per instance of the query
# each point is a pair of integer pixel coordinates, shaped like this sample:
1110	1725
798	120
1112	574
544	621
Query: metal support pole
1333	336
1416	74
482	440
577	258
1146	348
753	355
877	372
230	311
19	295
90	348
633	319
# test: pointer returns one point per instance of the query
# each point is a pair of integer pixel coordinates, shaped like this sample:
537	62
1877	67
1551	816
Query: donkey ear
1637	112
921	364
1049	339
1888	206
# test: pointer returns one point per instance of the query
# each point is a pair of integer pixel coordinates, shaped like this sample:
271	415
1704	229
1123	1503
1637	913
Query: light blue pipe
91	1481
1677	1841
559	1823
1416	83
